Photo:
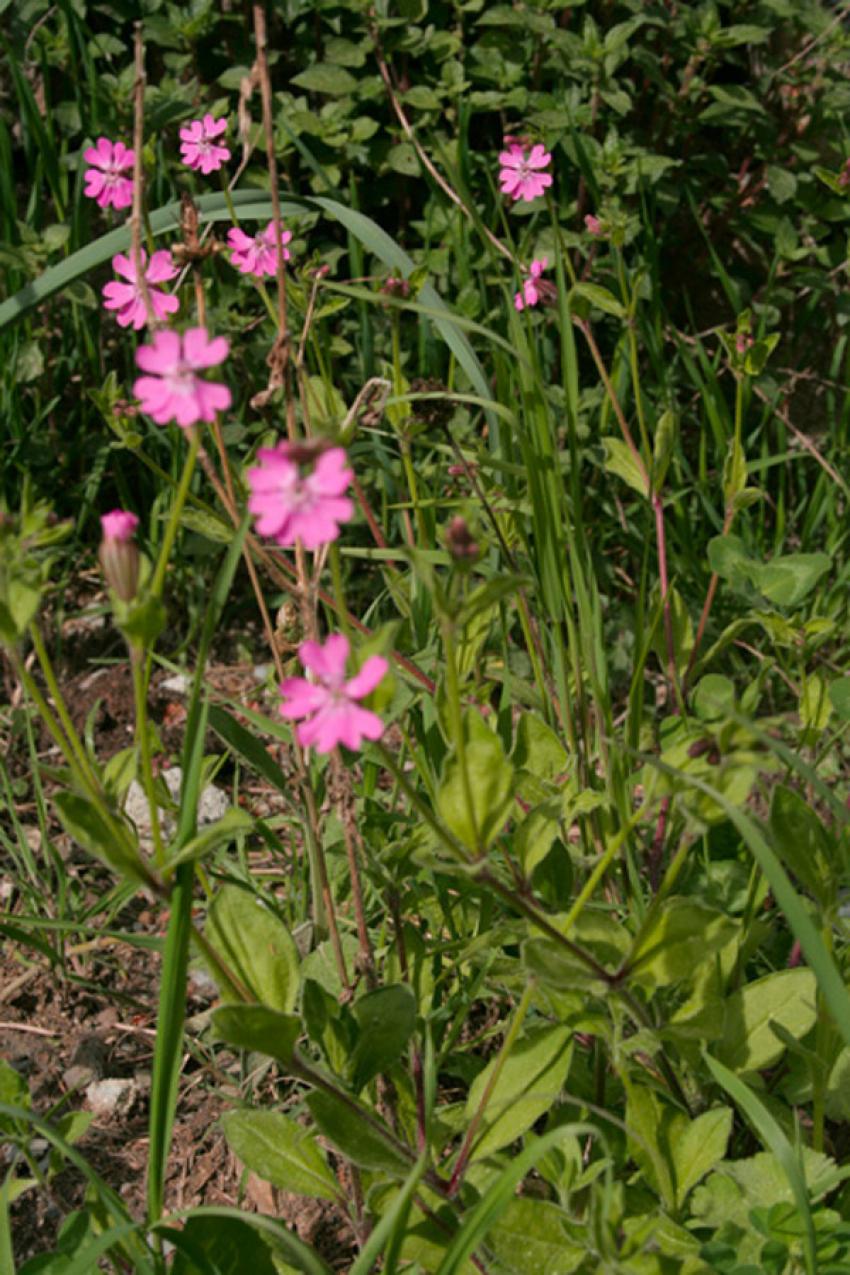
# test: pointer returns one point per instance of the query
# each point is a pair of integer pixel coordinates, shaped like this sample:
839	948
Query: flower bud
459	541
119	556
593	225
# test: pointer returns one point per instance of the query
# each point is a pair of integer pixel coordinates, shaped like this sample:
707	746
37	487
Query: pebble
212	805
110	1098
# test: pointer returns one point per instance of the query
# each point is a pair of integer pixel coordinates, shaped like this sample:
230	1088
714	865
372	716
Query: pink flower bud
119	556
593	225
459	541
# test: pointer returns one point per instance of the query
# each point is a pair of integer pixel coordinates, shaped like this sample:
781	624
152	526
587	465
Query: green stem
62	713
174	517
453	698
143	743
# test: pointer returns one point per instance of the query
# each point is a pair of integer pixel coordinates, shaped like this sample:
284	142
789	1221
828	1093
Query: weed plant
537	492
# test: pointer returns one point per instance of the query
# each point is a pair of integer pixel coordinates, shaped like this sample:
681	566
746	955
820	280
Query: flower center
181	379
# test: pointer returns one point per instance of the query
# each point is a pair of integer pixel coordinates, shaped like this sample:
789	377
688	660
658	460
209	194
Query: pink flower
593	225
327	705
174	391
127	298
197	148
292	506
530	293
257	255
104	181
520	175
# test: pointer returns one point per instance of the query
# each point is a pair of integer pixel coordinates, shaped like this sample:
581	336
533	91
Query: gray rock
110	1098
212	805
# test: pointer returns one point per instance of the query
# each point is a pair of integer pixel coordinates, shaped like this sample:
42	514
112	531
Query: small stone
78	1077
212	805
110	1099
179	684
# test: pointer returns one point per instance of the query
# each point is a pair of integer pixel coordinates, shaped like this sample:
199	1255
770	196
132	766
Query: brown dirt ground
102	1014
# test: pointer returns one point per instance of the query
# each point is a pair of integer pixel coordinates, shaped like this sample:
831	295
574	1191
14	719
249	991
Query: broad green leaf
534	837
787	580
364	1142
538	749
531	1236
527	1086
649	1120
620	460
598	297
476	812
697	1147
280	1151
231	1247
786	997
386	1018
837	1101
683	936
290	1253
325	77
255	945
258	1029
839	697
714	697
107	839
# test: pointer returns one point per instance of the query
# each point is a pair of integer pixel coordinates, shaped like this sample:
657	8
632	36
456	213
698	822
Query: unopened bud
119	556
394	287
459	541
593	225
743	342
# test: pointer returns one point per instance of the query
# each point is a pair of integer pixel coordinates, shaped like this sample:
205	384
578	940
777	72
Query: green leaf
621	460
536	834
233	823
681	938
697	1147
815	704
787	580
207	525
527	1086
532	1236
107	839
386	1018
477	821
666	432
800	840
280	1151
773	1137
714	697
402	158
538	749
598	297
228	1245
781	183
786	997
231	1244
734	472
256	946
258	1029
326	77
650	1123
364	1142
839	697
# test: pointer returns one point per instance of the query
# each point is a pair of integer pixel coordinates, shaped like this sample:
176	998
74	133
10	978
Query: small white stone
178	684
109	1098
